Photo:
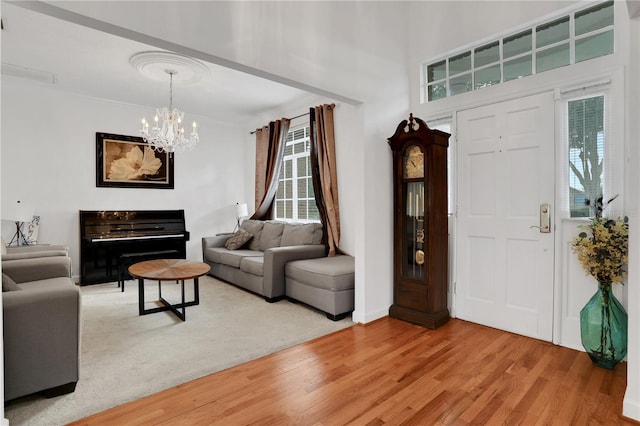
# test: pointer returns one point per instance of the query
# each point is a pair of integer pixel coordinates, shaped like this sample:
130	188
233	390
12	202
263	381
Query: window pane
460	63
302	209
594	18
288	168
516	44
487	54
594	46
553	57
487	76
460	84
586	150
288	149
552	32
517	68
288	190
280	191
310	188
302	188
298	148
313	211
436	71
302	166
298	133
436	91
288	209
280	209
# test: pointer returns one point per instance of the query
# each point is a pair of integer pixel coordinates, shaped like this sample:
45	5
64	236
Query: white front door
505	173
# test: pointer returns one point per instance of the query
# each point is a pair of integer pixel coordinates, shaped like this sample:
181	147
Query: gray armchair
34	251
41	308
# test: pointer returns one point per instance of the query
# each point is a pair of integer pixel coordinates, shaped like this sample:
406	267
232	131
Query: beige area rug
126	356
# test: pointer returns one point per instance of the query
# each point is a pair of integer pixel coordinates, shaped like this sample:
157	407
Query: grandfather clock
420	259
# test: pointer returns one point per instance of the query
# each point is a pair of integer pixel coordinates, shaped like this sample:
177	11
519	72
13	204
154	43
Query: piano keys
106	235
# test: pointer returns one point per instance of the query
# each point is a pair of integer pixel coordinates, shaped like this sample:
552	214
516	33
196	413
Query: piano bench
127	259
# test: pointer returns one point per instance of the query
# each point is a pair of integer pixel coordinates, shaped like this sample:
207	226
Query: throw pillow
238	239
8	284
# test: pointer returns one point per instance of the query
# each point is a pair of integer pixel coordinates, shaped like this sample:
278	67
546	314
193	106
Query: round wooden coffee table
168	270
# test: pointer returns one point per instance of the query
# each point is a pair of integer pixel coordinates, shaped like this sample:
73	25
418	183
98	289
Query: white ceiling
94	63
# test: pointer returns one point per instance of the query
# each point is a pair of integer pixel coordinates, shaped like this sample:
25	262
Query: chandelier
167	133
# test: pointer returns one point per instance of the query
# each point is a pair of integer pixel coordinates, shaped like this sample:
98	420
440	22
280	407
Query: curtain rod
292	118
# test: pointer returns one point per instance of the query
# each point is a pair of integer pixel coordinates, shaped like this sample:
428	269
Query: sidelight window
586	136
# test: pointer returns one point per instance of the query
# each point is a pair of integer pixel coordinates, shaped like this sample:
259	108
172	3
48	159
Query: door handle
545	219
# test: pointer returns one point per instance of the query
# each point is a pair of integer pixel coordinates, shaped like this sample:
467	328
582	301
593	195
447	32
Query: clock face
413	162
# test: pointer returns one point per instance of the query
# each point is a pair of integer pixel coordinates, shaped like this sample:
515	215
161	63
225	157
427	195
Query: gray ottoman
325	283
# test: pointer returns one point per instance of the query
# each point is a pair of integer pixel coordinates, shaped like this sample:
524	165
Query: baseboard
367	317
631	409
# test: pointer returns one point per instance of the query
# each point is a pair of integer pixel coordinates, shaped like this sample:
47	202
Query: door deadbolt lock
545	219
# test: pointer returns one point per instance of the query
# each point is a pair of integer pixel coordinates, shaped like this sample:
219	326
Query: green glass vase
603	328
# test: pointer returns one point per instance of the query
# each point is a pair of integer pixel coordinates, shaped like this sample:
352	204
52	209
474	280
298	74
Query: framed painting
129	162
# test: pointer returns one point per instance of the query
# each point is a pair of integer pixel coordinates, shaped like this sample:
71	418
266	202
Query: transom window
295	198
576	37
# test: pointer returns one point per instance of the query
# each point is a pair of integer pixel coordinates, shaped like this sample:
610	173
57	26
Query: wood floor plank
393	372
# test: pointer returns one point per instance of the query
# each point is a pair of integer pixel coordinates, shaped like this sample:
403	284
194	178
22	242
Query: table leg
169	306
141	296
184	307
196	292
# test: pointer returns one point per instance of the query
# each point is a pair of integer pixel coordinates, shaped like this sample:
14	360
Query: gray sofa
258	265
41	308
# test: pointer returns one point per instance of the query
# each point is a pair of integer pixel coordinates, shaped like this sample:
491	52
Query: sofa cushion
254	227
334	273
271	235
213	253
233	257
253	265
238	240
8	284
297	234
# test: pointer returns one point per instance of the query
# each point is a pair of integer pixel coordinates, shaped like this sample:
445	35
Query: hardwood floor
393	372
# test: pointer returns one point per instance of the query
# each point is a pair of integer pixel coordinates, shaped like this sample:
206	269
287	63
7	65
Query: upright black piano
106	235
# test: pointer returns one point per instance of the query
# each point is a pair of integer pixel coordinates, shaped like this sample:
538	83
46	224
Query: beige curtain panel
270	143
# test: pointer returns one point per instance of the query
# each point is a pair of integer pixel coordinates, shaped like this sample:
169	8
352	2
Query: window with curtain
295	199
586	137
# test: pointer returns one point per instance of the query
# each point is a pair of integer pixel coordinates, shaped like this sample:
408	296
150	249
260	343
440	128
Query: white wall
48	160
631	403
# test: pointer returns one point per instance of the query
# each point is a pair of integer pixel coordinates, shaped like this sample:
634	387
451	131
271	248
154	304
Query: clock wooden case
420	259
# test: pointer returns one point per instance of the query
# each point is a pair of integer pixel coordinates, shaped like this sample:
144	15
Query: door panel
505	267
